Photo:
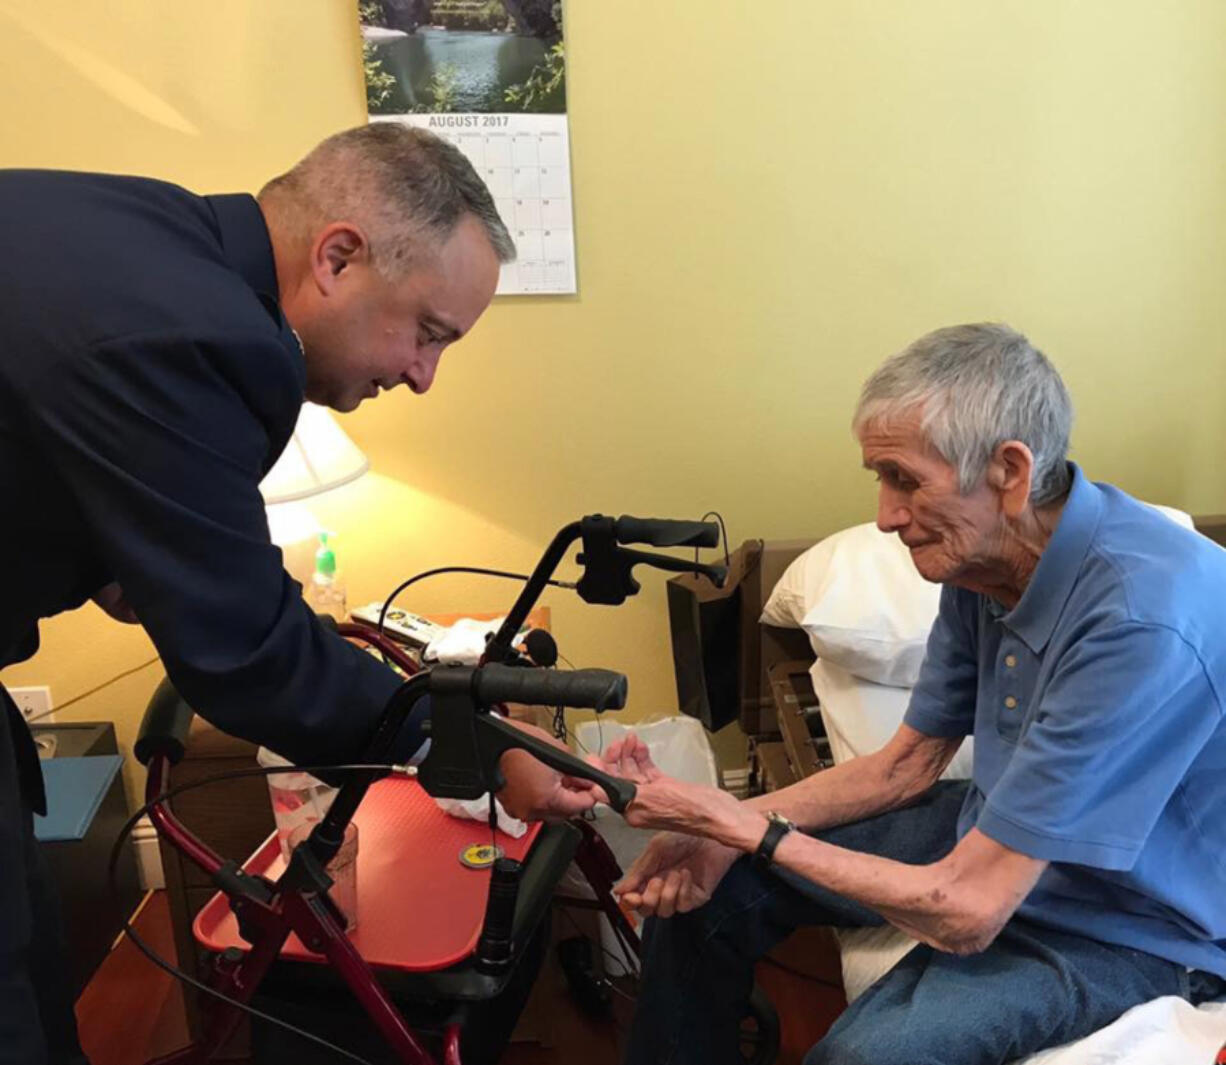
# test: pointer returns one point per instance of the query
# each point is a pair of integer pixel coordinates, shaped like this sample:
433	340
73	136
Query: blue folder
75	790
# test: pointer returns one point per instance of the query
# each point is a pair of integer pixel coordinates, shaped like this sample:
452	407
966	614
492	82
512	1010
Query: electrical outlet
34	703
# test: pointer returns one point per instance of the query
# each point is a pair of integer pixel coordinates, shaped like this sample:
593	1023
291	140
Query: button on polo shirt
1099	736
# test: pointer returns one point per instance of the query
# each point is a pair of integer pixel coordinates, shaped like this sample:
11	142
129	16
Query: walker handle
665	532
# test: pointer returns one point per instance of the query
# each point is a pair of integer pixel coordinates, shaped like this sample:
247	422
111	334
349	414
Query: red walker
446	932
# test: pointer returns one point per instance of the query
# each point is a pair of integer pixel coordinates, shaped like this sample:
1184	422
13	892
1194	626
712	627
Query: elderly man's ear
1009	475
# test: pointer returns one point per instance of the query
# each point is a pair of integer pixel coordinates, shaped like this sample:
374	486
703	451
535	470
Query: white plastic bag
680	748
678	745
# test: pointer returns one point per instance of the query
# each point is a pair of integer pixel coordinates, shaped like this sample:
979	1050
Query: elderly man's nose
892	513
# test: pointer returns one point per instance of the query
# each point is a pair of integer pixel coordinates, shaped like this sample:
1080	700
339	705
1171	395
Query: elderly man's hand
696	810
628	758
534	792
666	803
675	874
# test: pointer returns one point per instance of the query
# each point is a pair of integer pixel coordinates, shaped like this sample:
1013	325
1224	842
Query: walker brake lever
467	741
607	566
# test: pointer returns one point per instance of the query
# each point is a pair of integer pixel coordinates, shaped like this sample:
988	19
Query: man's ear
336	248
1010	472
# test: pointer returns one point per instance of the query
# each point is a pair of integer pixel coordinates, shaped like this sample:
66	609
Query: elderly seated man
1082	870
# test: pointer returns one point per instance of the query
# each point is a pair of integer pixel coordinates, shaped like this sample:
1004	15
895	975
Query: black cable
480	571
624	973
34	719
179	974
723	535
563	731
618	991
557	725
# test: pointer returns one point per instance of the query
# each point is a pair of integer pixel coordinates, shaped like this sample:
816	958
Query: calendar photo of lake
441	56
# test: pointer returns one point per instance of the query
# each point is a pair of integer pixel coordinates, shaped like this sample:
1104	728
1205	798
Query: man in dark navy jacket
155	349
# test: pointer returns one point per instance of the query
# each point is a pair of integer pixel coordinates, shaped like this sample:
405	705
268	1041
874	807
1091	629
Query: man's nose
421	373
892	512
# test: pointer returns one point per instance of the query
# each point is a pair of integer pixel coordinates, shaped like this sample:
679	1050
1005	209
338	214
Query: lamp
319	457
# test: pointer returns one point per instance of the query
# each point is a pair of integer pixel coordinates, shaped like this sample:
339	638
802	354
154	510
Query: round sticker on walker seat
480	855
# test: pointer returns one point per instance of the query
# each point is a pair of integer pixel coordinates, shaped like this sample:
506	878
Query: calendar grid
524	159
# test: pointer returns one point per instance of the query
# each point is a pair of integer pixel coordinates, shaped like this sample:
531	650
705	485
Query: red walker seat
420	908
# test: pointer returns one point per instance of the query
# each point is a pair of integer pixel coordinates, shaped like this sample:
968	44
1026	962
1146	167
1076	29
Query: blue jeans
1032	988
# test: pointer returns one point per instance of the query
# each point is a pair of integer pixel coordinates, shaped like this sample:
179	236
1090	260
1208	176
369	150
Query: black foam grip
165	726
592	689
663	532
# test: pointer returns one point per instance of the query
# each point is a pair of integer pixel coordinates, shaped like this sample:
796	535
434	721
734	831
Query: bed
846	588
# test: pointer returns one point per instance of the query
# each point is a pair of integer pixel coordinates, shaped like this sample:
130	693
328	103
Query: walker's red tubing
315	925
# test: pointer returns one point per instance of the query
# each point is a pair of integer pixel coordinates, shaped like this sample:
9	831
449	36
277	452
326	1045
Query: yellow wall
770	198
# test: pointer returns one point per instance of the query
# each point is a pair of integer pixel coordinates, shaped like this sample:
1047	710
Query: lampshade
319	456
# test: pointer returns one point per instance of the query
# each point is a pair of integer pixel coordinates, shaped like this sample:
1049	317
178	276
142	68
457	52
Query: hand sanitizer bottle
326	592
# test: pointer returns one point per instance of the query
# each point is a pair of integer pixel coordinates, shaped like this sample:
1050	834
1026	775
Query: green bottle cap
325	558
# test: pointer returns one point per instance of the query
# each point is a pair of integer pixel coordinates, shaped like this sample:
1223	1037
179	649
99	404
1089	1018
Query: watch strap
776	828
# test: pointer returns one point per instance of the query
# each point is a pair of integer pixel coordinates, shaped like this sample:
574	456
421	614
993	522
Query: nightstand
86	809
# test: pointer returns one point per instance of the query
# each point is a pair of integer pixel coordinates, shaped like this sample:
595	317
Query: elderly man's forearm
938	904
845	793
886	779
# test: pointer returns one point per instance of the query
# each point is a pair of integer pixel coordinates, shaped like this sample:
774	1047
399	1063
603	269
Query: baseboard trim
148	855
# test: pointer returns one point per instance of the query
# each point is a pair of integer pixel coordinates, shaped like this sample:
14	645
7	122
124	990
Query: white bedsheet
1166	1031
860	717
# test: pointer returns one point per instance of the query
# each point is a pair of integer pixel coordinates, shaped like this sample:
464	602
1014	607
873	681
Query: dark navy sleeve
943	699
161	443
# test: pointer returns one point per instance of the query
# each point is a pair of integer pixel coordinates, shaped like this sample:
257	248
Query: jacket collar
245	241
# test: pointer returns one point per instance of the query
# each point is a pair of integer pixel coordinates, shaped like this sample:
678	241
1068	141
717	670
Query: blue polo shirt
1096	707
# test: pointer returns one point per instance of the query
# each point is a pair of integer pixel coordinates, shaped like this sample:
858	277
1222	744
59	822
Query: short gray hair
406	186
974	387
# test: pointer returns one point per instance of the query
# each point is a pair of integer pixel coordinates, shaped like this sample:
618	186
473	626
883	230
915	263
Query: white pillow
1179	517
861	717
862	602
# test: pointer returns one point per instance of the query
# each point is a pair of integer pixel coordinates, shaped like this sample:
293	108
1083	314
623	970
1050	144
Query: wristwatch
777	826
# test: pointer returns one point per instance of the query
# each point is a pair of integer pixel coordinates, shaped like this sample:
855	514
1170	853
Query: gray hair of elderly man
406	187
976	386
